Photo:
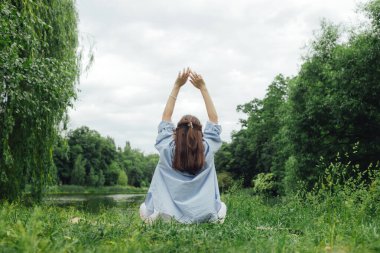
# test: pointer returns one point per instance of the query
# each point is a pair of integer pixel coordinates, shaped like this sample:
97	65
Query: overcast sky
237	46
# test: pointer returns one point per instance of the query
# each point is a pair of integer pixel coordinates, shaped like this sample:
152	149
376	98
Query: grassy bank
77	189
311	223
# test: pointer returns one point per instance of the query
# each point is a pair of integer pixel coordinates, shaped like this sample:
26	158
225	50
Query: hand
182	77
197	80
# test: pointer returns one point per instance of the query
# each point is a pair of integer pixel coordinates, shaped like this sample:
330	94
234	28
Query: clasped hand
195	79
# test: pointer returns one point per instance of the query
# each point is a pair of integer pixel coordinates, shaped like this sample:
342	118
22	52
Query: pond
94	202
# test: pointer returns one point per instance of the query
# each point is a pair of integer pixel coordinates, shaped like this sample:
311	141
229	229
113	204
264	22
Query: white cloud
238	46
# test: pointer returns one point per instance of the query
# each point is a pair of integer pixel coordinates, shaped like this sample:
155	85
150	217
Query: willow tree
39	70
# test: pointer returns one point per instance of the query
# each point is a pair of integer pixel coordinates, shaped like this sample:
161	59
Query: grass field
342	222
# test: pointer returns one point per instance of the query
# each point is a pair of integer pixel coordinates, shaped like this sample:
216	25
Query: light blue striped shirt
187	198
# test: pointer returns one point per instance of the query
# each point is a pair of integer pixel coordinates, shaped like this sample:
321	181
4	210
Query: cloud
238	46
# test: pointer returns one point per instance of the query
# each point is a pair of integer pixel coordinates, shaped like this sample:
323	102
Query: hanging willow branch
39	70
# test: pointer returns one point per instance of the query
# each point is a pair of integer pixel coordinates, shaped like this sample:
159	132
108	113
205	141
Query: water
95	203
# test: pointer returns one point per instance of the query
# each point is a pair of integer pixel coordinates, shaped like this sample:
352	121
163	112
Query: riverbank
77	189
253	224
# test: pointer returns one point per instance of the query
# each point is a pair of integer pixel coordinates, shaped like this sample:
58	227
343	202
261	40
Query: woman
184	185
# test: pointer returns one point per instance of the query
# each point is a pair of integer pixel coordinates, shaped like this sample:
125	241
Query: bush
225	181
373	199
264	183
346	184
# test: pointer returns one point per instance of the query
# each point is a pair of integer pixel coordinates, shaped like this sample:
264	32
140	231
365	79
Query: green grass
345	222
77	189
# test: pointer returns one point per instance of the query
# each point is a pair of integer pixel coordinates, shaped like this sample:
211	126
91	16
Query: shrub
264	183
225	181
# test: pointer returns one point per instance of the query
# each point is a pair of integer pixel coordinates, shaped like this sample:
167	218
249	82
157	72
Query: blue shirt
187	198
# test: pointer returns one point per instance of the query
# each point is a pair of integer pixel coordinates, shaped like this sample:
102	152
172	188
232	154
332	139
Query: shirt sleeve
165	135
212	138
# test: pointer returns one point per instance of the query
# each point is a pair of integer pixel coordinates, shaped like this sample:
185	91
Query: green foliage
253	148
264	183
341	213
225	181
291	180
318	221
100	160
78	174
334	102
348	180
328	107
39	70
224	158
122	178
341	189
372	10
112	174
95	178
101	179
139	167
61	158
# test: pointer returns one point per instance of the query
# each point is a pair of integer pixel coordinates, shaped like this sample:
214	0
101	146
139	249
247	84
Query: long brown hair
189	149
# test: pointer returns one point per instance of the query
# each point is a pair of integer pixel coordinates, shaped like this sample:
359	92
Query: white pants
149	218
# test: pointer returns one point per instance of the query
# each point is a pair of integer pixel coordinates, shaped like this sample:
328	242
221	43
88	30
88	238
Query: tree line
84	157
329	111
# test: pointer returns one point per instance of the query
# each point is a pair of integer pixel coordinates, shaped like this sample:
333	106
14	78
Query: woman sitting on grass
184	184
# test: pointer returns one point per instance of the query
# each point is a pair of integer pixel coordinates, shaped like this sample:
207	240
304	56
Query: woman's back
181	194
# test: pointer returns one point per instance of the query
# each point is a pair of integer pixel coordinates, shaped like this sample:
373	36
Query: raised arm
199	83
169	108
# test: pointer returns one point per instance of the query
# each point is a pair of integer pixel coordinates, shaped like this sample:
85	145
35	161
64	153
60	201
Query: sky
140	46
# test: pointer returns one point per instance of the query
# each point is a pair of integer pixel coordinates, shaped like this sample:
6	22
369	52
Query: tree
61	160
139	167
334	102
122	178
101	160
39	67
329	107
112	174
252	150
78	174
